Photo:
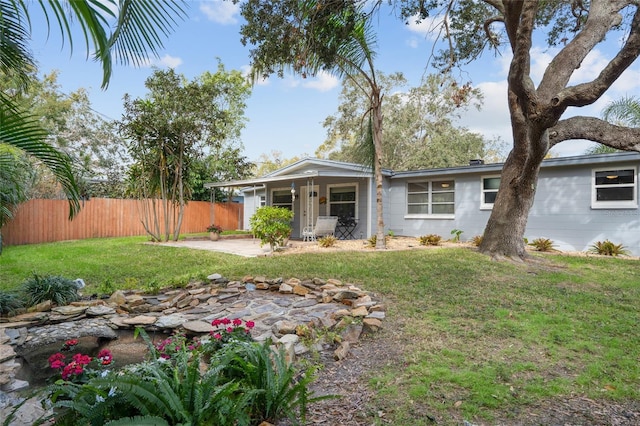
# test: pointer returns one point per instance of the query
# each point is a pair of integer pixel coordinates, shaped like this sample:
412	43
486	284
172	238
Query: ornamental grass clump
61	291
542	244
327	241
9	303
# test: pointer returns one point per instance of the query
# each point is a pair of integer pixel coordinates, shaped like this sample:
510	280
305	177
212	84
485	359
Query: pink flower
226	321
72	369
250	324
217	336
229	329
237	322
216	322
71	342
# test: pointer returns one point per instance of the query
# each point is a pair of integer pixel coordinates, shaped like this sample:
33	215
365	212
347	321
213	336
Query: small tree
272	225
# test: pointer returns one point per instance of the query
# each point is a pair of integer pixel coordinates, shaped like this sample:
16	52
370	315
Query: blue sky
287	114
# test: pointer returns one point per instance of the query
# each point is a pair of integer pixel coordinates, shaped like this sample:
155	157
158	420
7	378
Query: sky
286	114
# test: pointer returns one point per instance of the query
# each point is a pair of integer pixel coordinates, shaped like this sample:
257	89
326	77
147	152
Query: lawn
482	339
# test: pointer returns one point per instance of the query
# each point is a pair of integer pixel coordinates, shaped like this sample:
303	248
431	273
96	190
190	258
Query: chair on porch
325	225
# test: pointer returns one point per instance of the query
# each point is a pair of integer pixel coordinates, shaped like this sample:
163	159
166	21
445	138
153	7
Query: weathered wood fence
40	221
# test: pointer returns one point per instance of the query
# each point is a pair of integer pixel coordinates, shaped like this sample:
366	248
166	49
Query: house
579	200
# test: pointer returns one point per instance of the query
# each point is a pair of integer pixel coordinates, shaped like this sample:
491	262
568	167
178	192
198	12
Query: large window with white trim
489	191
615	188
343	200
431	198
281	197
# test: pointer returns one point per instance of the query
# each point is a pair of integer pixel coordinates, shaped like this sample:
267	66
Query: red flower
72	369
105	357
237	322
229	329
216	322
217	336
71	342
226	321
81	359
250	324
56	360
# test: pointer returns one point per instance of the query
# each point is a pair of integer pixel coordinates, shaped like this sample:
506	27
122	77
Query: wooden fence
40	221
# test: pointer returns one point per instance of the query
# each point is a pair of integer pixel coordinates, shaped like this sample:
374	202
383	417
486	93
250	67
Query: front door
309	206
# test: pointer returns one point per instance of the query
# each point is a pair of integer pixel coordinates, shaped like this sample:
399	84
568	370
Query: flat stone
380	315
170	321
69	310
99	310
371	324
359	312
140	320
285	289
214	277
198	326
6	353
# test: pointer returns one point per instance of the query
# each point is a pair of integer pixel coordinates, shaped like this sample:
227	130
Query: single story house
580	200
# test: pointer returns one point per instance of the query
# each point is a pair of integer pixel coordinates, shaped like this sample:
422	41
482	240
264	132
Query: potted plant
214	232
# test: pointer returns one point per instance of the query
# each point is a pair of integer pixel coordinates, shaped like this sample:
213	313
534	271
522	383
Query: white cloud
323	82
429	27
222	12
493	119
169	61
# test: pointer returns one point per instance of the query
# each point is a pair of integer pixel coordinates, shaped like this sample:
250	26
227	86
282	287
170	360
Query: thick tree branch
603	15
596	130
587	93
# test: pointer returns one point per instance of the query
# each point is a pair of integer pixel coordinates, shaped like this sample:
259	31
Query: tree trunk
504	232
376	107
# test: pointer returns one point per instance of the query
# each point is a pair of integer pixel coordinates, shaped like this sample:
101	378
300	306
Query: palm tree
138	29
623	112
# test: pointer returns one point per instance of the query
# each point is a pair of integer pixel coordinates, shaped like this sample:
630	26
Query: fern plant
607	248
430	240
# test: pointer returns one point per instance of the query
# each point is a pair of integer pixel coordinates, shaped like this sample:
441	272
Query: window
281	198
614	188
490	185
430	198
342	200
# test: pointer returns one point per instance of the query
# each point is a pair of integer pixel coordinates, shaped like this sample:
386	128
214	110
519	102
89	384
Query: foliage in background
607	248
272	225
167	133
419	124
40	288
15	180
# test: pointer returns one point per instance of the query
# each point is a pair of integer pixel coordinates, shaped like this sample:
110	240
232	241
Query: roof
303	169
315	167
599	159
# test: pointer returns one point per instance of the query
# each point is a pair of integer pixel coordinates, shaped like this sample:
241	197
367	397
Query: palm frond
15	57
624	111
23	131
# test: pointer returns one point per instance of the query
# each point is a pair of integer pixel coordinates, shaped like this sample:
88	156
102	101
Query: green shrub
542	244
608	248
430	240
477	240
272	225
59	290
456	235
9	303
327	241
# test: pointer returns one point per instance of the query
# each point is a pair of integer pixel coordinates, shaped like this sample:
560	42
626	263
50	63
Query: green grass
481	339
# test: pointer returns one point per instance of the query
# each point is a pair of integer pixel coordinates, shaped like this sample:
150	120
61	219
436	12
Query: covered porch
312	188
